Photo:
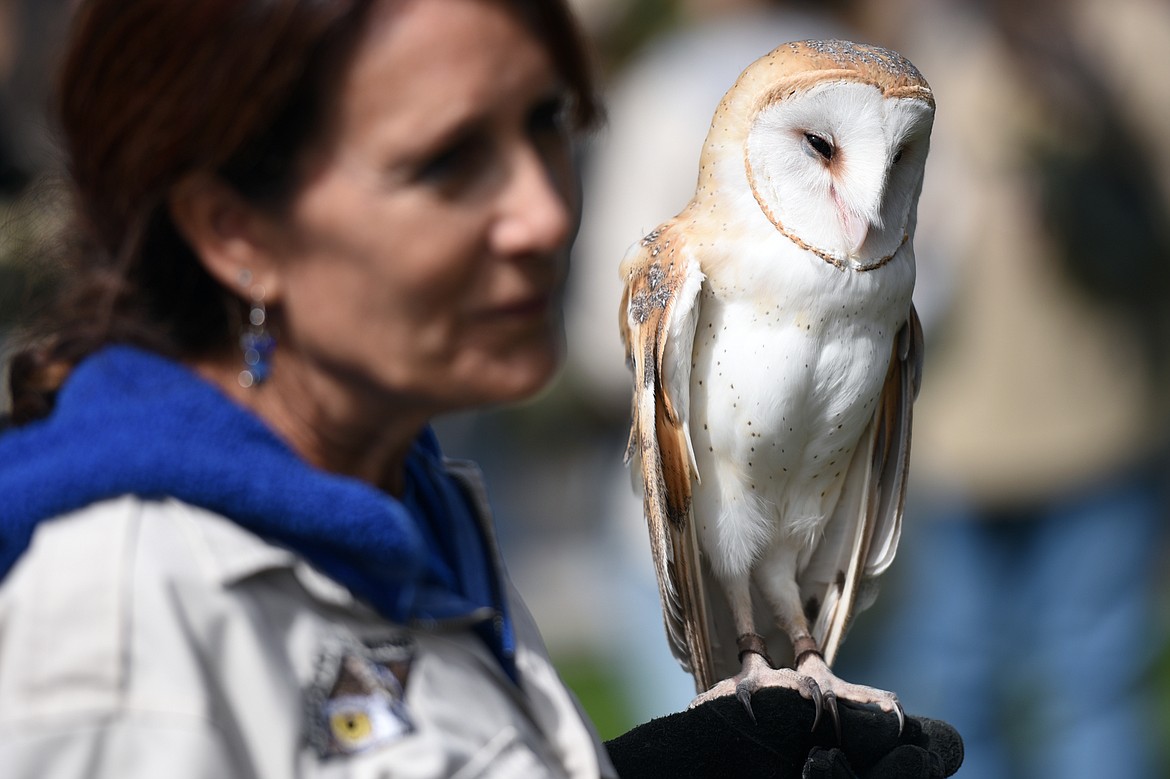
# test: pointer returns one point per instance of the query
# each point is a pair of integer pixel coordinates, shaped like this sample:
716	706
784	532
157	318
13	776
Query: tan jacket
153	639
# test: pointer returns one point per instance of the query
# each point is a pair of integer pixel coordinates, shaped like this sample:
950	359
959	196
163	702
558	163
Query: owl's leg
809	662
756	671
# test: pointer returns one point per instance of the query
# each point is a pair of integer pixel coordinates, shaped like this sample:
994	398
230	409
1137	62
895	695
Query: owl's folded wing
659	312
862	537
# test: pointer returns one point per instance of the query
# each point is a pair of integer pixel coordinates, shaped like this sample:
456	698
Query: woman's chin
518	378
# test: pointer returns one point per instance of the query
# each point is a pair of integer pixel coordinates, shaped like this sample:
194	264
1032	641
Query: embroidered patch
356	701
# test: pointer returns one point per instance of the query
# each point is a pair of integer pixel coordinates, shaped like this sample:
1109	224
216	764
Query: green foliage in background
30	246
640	21
600	692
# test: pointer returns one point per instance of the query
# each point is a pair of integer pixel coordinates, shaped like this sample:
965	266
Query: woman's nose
535	215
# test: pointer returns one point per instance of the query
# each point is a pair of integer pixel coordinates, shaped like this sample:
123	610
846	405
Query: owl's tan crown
795	67
815	60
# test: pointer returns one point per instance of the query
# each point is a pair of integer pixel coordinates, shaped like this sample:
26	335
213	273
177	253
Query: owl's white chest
788	366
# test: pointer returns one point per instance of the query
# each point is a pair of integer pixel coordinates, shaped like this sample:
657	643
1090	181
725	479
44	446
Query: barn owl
776	355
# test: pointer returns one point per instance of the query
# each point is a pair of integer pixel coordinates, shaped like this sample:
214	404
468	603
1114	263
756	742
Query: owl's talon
833	689
744	693
818	700
831	705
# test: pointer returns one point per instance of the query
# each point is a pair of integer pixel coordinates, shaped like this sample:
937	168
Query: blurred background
1028	604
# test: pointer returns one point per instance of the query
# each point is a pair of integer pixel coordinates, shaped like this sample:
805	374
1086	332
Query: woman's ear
226	233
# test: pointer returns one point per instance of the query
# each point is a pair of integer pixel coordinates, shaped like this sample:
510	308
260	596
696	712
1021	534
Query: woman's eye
820	145
549	116
455	162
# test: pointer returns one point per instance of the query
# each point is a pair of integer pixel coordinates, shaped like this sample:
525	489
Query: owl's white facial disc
839	167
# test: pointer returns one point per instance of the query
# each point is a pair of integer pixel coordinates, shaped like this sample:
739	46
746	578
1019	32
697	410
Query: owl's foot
832	688
757	673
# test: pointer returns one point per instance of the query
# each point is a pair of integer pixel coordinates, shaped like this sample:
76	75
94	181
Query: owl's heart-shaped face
828	139
838	167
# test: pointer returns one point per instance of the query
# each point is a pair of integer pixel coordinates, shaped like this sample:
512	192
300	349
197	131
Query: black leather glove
719	739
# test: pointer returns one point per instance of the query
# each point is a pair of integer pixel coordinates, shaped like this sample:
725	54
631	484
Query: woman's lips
521	308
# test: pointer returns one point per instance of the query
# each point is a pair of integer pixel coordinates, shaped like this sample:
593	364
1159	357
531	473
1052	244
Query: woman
230	544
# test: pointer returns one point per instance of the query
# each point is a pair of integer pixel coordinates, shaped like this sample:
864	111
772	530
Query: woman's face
421	263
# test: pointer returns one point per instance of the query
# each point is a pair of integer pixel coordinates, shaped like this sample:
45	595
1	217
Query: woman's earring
256	342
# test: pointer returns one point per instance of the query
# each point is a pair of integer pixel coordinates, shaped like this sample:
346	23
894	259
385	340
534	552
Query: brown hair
153	90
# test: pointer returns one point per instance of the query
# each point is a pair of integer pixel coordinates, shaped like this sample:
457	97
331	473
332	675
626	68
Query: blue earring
256	343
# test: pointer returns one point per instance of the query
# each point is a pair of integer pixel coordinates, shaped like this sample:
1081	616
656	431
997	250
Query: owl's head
831	139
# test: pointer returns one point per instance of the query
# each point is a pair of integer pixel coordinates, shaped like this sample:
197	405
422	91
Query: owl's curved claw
744	690
756	675
834	689
818	703
834	713
744	694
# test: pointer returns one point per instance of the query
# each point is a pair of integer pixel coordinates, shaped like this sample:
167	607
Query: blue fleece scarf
131	422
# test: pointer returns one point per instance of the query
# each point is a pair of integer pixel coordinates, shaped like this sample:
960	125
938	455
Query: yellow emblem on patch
356	701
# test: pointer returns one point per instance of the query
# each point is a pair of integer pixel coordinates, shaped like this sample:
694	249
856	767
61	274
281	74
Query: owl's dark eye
819	145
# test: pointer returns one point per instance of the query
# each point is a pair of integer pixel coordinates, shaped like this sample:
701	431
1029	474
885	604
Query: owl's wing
862	536
659	312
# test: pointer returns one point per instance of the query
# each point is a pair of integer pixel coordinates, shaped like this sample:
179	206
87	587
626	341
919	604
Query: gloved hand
719	739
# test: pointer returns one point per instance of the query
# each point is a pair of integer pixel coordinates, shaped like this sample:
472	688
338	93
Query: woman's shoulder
143	539
147	627
102	590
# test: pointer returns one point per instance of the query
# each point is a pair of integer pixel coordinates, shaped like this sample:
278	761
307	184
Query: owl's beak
855	225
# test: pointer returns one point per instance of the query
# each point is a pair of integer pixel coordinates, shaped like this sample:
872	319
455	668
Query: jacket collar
132	422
